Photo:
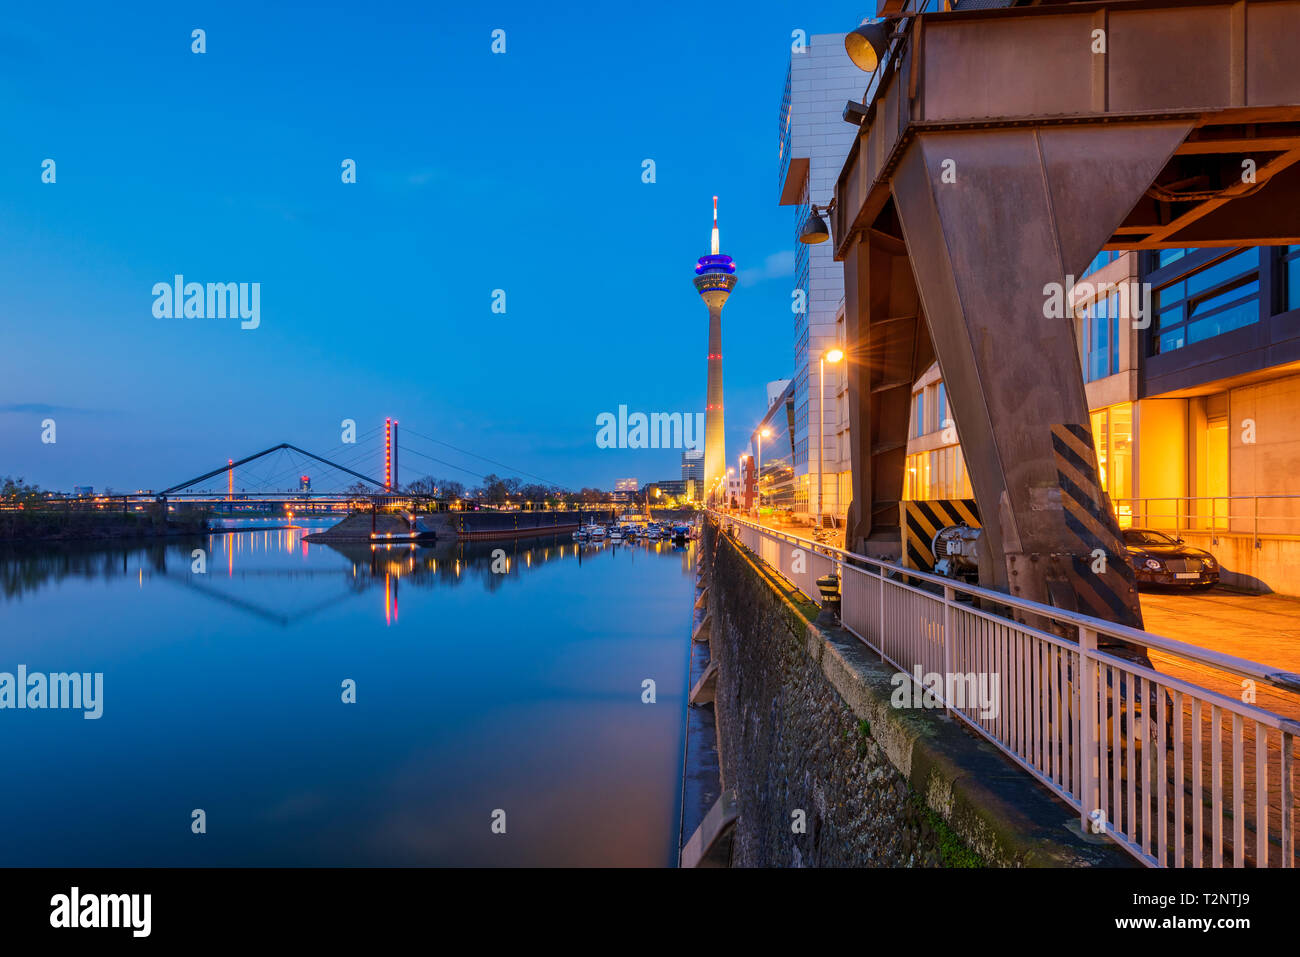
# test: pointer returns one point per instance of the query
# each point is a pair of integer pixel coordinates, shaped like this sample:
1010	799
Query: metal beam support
994	222
889	348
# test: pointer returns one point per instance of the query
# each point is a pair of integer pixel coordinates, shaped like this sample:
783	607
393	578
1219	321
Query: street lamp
867	45
815	229
763	433
830	355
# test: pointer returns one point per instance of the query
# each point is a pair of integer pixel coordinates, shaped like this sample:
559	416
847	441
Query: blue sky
475	172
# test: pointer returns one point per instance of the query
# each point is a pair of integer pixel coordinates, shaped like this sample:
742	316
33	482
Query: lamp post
763	433
830	355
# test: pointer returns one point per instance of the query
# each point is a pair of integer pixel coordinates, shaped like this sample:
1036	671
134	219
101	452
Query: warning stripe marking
1088	515
921	519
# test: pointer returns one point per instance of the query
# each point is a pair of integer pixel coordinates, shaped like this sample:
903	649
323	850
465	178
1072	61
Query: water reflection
270	554
477	689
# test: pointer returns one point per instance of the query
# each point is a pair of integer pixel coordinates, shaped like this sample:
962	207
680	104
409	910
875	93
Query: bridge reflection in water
516	689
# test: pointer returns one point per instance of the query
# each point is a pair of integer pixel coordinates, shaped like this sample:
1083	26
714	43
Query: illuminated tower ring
715	277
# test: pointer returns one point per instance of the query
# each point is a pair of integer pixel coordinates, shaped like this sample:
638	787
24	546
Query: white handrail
1243	667
1124	744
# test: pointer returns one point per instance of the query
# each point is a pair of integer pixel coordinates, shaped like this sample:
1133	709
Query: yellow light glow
834	355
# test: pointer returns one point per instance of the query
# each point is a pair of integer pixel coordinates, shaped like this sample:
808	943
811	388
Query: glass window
1114	330
1242	290
1170	317
1225	321
940	405
937	474
1112	436
1222	271
1103	258
1098	332
1142	536
1174	292
1291	277
1119	480
918	413
1171	340
1099	346
1166	256
1217	298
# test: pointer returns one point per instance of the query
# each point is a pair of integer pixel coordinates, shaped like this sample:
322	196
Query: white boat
616	534
596	531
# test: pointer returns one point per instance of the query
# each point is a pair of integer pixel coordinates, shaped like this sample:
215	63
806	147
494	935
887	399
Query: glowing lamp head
834	355
814	230
867	44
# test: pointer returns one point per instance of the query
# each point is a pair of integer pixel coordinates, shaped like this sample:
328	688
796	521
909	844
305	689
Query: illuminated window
1112	436
935	475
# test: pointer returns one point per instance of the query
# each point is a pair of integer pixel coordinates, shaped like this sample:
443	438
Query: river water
510	697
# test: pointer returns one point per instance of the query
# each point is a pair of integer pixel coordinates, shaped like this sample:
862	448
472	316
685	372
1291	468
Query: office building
693	466
814	141
1193	401
776	486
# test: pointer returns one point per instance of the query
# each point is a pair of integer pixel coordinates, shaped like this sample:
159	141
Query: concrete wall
1273	567
1160	437
789	744
1265	459
805	724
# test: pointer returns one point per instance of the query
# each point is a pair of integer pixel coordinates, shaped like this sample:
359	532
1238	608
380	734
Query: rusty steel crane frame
999	154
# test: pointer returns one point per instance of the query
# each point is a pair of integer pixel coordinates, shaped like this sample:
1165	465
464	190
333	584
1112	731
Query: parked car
1160	559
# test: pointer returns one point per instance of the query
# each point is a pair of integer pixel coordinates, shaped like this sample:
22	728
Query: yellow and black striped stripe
1088	514
920	521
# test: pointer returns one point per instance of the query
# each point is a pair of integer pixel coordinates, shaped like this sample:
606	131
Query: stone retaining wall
805	725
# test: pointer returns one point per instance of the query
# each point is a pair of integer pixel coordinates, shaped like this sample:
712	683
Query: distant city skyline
376	298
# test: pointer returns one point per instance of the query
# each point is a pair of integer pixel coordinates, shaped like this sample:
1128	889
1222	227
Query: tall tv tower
715	277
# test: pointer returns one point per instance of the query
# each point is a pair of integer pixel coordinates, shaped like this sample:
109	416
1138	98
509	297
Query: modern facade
777	487
774	390
715	277
735	486
814	141
693	472
672	487
1191	362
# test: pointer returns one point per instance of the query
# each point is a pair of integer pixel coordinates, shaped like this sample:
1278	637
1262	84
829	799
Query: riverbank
50	525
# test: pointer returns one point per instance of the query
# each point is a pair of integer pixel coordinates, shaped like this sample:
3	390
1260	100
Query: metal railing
1177	774
1254	515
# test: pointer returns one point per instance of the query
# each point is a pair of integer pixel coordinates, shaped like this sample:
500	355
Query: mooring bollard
829	586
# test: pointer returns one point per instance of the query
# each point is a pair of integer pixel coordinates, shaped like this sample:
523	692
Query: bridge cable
503	465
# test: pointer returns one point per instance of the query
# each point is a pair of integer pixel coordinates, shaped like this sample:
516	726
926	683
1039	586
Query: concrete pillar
715	432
